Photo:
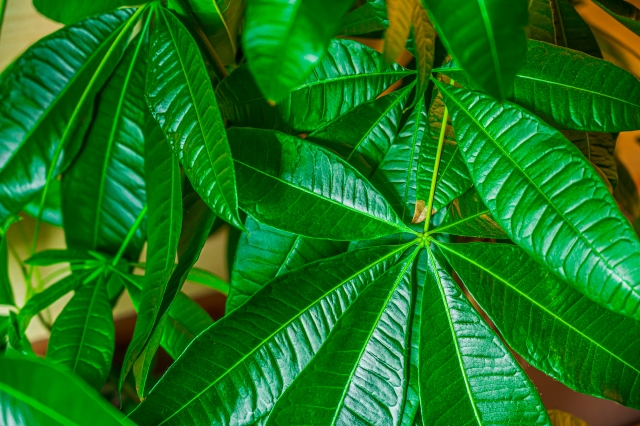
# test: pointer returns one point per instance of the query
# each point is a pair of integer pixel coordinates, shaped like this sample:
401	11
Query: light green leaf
486	37
395	178
83	336
572	90
346	77
103	192
288	319
181	99
477	379
296	186
548	199
208	279
347	381
541	21
364	135
34	393
284	40
40	93
453	177
469	217
567	336
71	11
264	253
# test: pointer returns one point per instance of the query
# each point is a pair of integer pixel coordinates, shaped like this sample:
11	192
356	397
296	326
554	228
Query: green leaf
6	290
492	45
56	256
364	135
347	381
33	392
346	77
264	253
572	90
572	31
181	99
71	11
220	21
469	217
478	380
104	189
52	213
296	186
395	178
288	319
541	21
567	336
548	199
39	94
208	279
370	17
83	336
46	297
284	40
453	176
164	198
598	148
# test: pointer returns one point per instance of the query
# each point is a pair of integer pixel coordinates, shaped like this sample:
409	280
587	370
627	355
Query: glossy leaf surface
290	317
572	90
38	95
364	135
296	186
83	336
348	76
104	189
345	383
491	45
264	253
32	392
71	11
284	40
479	382
575	341
182	101
548	199
469	217
52	213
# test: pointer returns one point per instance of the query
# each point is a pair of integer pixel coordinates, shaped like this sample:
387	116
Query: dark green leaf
571	30
285	40
71	11
395	178
570	338
598	148
104	189
52	213
40	93
220	21
264	253
469	217
296	186
370	17
364	135
476	378
34	393
572	90
238	382
164	198
347	381
348	76
182	101
541	21
83	336
453	176
6	291
548	199
486	37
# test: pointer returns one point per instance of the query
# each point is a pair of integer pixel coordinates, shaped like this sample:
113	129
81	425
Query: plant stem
436	165
130	235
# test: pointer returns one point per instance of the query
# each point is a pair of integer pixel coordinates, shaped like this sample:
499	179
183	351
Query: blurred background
23	26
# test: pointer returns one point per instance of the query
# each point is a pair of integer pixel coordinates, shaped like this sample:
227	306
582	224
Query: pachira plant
370	201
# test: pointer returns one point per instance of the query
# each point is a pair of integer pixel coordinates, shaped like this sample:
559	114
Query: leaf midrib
284	325
535	303
460	221
622	282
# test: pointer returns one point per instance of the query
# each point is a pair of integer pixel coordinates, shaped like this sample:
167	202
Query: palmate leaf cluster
354	186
